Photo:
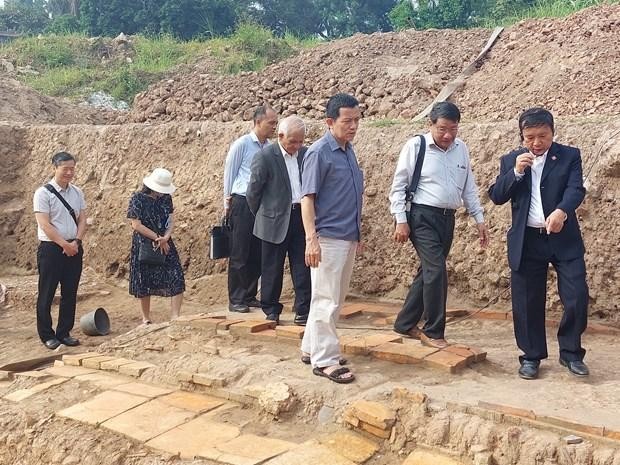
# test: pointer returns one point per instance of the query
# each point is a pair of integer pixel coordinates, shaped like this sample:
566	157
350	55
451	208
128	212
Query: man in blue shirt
245	249
331	208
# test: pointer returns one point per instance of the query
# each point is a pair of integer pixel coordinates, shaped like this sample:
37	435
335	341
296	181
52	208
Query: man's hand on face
525	160
401	232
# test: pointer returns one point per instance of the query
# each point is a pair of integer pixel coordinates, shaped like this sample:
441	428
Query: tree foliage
25	16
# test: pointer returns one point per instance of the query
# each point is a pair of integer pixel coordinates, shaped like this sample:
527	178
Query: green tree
197	18
25	16
439	13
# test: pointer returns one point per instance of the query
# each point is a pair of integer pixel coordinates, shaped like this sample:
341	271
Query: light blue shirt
238	164
334	177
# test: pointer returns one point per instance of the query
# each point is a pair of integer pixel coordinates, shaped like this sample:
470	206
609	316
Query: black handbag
219	246
150	254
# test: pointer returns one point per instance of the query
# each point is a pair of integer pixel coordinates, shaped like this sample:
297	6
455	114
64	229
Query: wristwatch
79	241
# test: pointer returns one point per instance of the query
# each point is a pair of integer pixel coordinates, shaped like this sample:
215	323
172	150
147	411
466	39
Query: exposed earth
186	124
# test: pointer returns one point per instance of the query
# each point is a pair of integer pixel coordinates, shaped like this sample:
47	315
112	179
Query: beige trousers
330	284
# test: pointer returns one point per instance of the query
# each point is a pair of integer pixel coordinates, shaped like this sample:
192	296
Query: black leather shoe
52	343
529	369
273	317
300	320
239	308
576	367
255	303
70	341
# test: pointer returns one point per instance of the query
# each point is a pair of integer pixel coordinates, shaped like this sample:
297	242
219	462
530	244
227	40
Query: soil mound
19	103
569	65
393	75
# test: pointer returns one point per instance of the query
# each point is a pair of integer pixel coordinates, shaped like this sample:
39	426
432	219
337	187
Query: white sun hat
160	180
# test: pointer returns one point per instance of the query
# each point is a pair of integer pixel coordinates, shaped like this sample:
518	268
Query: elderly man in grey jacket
274	197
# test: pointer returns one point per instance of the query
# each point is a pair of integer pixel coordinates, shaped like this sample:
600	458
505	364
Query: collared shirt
536	214
333	175
46	202
239	162
292	167
446	179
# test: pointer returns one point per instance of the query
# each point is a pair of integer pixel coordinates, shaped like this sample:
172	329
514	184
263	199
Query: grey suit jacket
269	193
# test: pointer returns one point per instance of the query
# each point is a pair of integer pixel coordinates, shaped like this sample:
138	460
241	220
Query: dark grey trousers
432	231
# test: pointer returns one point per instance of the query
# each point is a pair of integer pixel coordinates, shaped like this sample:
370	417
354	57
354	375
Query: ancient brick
350	310
76	359
95	362
208	380
380	310
251	326
574	426
373	413
462	350
113	365
380	433
615	435
362	345
135	369
226	324
445	361
294	332
401	353
508	410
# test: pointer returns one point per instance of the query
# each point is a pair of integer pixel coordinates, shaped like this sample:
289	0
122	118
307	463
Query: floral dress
162	280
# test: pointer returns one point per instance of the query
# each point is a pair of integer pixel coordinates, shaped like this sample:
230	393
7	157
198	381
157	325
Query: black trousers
57	268
245	253
432	231
273	269
529	297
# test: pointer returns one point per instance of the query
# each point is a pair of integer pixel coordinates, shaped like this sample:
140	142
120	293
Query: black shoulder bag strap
50	188
415	179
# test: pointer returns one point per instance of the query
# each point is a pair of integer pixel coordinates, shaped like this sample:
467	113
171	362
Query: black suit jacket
561	186
269	193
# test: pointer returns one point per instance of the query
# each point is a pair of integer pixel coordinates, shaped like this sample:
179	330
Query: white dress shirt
446	179
536	214
293	174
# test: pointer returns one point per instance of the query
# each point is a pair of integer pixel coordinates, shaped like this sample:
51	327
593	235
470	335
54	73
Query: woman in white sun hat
151	214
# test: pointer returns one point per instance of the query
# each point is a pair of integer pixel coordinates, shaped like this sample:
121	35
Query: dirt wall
114	159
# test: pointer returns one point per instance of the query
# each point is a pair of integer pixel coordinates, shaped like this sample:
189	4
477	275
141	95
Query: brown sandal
336	375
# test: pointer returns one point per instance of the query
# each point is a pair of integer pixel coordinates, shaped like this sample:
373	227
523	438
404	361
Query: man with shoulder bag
60	211
433	178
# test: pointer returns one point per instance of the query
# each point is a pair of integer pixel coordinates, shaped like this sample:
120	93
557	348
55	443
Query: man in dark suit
543	182
274	196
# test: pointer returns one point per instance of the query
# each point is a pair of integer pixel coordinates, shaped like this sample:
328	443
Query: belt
539	231
295	206
441	211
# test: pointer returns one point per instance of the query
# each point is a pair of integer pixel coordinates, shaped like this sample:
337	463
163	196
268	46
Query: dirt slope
19	103
571	65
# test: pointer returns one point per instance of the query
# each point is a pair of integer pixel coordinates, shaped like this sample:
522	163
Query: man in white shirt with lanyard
445	183
60	211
